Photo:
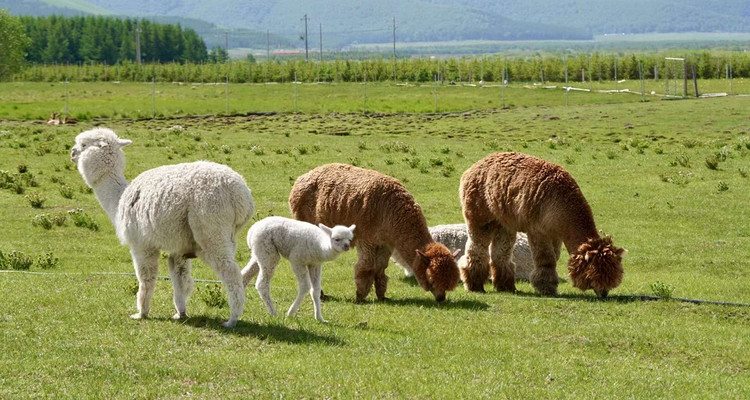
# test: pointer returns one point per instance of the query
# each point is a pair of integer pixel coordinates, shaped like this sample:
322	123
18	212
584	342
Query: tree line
109	40
594	66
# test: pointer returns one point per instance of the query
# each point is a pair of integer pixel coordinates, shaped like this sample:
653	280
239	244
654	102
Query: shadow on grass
587	297
431	303
271	332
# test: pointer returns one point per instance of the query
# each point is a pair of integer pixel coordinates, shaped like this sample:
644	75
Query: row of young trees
596	66
109	40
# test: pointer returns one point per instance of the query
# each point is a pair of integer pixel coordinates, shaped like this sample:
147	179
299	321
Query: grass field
668	179
107	100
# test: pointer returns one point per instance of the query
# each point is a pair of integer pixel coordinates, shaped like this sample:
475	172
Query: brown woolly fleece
505	193
388	221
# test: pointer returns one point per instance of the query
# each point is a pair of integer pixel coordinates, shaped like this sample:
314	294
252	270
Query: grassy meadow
668	179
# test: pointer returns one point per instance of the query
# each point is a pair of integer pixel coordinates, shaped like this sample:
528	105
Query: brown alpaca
505	193
388	221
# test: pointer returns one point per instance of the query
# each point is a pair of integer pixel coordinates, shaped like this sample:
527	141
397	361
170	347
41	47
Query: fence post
295	91
66	97
434	91
153	96
364	91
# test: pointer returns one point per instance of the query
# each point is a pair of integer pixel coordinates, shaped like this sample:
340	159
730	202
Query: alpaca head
341	236
435	269
98	153
597	265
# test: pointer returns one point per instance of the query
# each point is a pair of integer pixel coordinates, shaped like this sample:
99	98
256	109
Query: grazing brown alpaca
505	193
388	221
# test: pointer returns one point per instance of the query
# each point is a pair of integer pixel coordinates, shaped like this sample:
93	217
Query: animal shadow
271	332
431	303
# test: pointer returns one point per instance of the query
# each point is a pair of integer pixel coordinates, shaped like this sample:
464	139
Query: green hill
349	22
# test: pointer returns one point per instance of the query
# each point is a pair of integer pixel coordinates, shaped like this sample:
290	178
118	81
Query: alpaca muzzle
74	155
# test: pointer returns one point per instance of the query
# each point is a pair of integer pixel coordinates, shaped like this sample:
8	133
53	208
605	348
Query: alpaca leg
544	251
503	269
382	255
229	272
316	272
303	287
182	283
364	271
267	265
146	263
477	257
250	270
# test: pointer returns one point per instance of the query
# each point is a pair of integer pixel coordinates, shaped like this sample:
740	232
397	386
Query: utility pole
138	43
268	47
226	44
307	58
320	30
394	49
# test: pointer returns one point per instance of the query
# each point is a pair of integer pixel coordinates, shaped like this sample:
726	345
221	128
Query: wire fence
91	100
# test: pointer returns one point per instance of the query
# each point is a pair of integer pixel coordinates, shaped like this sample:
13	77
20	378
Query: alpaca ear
351	228
124	142
422	255
621	252
325	229
456	253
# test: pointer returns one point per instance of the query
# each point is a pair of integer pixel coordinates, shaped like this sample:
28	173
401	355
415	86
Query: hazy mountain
346	22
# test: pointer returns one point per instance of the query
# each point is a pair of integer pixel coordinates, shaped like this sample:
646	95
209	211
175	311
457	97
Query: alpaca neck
578	235
108	191
407	249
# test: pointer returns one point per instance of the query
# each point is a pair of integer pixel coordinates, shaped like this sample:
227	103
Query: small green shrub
66	191
83	220
213	295
722	186
743	172
226	149
47	261
712	163
22	168
42	220
690	143
362	145
257	150
36	199
448	170
15	260
302	149
662	289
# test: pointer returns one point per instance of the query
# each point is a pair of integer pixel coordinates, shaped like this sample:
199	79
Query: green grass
91	101
69	335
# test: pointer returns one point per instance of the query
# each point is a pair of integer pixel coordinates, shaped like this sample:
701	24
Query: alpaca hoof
321	320
360	300
137	316
229	324
474	288
384	298
180	315
602	293
323	296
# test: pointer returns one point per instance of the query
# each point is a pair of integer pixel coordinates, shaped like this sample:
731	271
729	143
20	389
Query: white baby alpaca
305	245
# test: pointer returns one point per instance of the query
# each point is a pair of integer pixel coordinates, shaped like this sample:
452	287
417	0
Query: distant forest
109	40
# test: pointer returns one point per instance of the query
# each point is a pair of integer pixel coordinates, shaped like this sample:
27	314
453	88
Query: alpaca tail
250	271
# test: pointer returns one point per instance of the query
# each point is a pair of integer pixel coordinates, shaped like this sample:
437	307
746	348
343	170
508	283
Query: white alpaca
305	245
456	238
187	210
